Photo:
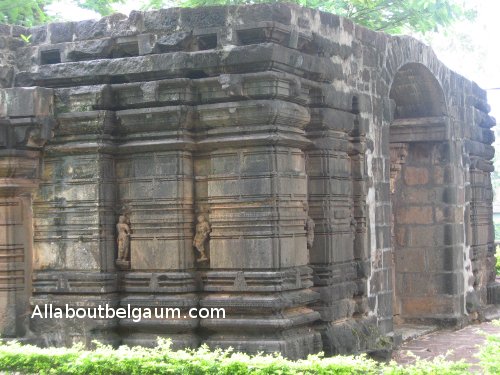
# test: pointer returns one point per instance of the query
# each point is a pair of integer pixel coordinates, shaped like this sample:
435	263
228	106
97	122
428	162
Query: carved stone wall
26	122
218	138
9	41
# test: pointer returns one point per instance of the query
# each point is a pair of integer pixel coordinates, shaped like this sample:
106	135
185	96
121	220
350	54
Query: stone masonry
320	181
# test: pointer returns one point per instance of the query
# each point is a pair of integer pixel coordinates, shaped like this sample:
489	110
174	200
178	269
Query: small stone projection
321	182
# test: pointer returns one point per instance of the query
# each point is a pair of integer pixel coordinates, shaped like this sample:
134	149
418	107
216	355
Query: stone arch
426	240
411	61
417	93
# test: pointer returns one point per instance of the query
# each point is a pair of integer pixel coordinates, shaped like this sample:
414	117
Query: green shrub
490	354
497	255
437	366
162	360
26	359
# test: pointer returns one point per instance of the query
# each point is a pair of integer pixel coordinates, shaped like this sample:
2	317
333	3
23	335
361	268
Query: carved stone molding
26	124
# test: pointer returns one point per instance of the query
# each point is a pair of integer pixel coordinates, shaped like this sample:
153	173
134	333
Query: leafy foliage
18	358
32	12
392	16
26	38
26	12
103	7
497	255
162	360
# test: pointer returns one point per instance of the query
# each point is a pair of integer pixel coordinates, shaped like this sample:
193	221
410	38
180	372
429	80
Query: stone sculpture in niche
123	241
201	236
309	227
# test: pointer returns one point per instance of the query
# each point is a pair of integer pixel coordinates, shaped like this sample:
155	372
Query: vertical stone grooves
360	221
25	125
157	188
74	220
257	247
332	200
274	203
482	288
12	266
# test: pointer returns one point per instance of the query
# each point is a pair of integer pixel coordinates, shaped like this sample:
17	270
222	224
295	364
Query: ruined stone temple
322	182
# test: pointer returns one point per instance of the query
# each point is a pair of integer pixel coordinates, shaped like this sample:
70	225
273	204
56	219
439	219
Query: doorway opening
425	277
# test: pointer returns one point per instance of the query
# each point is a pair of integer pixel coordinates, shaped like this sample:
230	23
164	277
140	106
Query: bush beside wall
25	359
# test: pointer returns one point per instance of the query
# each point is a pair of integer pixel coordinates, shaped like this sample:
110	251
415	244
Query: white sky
479	56
475	53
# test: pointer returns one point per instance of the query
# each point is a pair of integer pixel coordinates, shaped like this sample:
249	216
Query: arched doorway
426	240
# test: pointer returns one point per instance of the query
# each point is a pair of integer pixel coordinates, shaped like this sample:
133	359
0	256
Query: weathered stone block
160	254
29	102
432	307
448	258
60	32
416	176
494	293
383	237
416	195
89	50
428	284
341	309
415	215
410	260
332	119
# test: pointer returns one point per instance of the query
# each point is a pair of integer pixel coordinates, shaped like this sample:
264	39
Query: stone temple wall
264	126
9	41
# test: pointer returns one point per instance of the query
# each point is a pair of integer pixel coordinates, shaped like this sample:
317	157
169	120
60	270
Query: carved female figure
123	239
202	231
309	227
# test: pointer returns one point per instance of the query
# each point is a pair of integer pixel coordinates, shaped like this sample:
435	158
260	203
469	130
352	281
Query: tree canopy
32	12
24	13
392	16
